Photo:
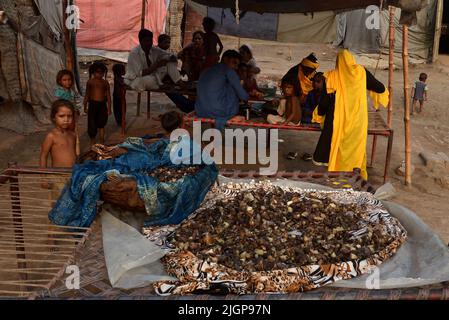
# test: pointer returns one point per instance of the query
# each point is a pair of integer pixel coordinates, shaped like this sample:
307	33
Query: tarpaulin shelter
340	27
32	47
409	8
105	26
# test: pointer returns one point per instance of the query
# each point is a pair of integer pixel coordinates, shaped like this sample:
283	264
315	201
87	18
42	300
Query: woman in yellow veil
346	111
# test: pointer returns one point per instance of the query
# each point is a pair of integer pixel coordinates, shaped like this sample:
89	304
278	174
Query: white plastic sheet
131	259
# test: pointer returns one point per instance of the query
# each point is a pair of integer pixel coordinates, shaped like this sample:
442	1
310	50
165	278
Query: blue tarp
166	203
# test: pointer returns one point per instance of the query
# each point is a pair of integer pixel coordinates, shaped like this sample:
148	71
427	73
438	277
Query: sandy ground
430	130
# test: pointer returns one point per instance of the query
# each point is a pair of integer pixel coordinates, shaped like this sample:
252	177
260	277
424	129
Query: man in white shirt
148	65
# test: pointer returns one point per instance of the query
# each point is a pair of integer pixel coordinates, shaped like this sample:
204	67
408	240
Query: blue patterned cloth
166	203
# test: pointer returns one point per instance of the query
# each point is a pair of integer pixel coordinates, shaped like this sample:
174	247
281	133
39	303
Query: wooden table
126	88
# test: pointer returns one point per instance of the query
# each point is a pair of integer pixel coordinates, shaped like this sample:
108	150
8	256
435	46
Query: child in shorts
97	102
419	92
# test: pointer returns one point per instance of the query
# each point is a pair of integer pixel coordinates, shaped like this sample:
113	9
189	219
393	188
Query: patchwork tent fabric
166	203
196	275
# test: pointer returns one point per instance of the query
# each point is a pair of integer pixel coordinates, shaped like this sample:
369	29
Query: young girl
119	72
64	90
211	41
292	115
60	142
248	58
97	102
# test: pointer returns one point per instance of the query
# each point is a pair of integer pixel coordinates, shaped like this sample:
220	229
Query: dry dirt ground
429	130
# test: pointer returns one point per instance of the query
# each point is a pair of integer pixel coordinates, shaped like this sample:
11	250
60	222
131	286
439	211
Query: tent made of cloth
114	24
342	28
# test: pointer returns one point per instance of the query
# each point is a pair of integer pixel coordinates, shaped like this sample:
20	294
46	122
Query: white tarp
131	259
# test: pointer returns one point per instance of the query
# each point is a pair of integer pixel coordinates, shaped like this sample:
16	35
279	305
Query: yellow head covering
305	82
348	81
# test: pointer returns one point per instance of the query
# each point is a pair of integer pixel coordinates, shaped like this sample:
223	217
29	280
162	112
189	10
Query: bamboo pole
408	162
391	67
67	39
143	16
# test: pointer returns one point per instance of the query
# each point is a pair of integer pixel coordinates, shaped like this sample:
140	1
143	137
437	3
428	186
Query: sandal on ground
306	157
292	155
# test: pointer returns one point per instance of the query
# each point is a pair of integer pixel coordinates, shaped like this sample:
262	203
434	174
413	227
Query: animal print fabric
195	275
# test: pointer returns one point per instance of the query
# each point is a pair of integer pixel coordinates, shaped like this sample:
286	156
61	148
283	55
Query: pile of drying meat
167	174
269	229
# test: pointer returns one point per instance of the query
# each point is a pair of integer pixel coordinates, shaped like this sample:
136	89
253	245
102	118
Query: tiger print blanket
196	275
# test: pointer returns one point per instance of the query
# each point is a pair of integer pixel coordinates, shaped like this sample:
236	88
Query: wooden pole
391	67
70	65
143	16
67	39
408	162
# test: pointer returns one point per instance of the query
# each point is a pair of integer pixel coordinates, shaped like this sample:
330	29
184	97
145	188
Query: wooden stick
143	16
41	231
31	269
67	40
17	220
48	253
35	260
408	162
24	284
45	239
391	67
51	225
70	247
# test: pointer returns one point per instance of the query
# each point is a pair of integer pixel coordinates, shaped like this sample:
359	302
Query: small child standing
64	90
292	115
60	142
119	90
211	41
419	92
97	102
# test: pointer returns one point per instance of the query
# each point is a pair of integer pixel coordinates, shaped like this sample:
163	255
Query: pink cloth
114	24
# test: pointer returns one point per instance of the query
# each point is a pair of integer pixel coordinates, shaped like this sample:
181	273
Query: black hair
163	37
312	58
247	49
243	65
208	24
289	79
145	33
231	54
118	69
97	65
198	32
318	76
171	121
58	104
63	73
423	77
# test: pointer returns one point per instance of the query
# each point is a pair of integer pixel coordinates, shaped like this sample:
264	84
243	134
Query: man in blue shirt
219	90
